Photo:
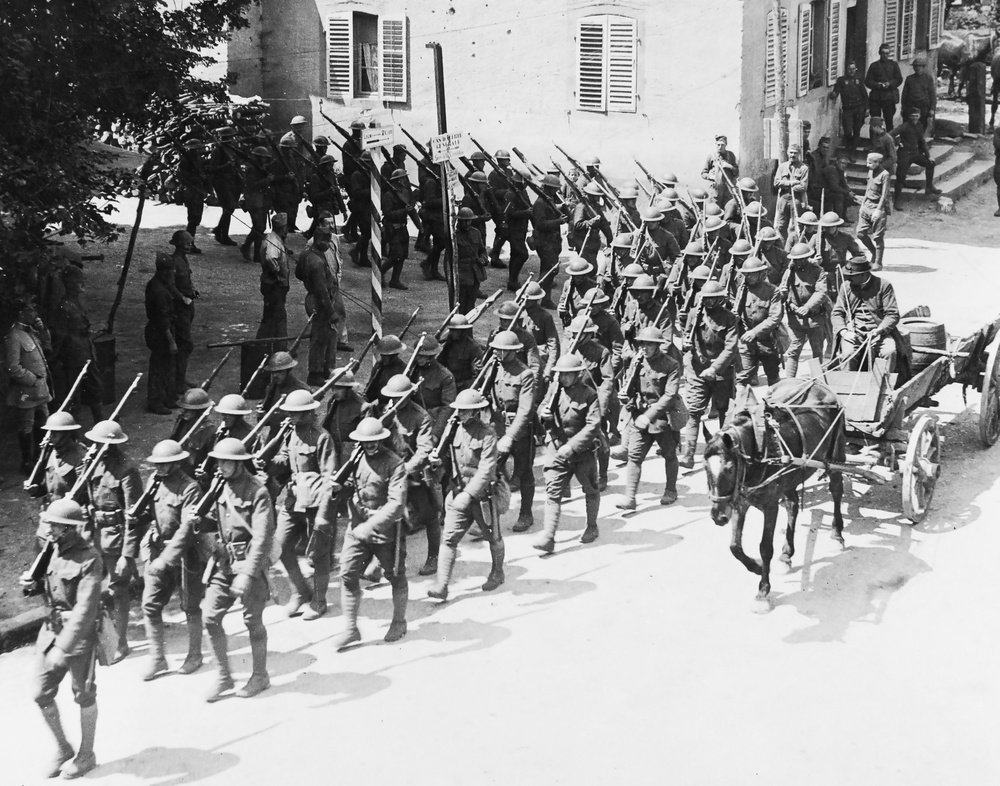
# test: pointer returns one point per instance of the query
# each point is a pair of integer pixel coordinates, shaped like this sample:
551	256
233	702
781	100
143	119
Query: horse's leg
791	503
837	492
736	544
763	603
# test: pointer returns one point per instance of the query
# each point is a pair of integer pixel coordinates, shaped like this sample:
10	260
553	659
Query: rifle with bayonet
553	422
597	175
531	167
540	193
412	362
479	310
656	184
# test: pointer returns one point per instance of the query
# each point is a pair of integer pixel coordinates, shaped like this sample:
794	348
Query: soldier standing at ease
651	393
161	393
462	354
29	391
478	494
572	420
319	265
709	353
114	487
547	221
238	566
171	558
883	80
377	505
274	281
759	310
721	170
807	304
514	396
791	182
67	640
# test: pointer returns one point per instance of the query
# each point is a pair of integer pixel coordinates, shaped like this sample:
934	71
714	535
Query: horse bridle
741	470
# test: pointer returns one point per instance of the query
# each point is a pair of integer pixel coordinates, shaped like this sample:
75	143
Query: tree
70	70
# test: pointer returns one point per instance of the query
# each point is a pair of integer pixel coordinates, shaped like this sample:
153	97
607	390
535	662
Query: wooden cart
883	430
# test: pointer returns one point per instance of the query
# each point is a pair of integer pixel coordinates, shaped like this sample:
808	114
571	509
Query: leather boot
689	438
122	602
259	680
349	602
546	539
157	662
220	647
446	563
603	459
193	660
430	566
593	504
397	271
525	521
497	552
670	467
64	750
85	760
400	596
317	607
632	474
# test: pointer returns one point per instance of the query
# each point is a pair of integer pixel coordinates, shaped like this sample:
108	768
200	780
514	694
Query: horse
956	53
747	465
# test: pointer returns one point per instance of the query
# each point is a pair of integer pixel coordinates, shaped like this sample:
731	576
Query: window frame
606	61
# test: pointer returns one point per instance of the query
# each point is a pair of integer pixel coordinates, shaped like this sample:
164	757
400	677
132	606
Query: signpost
445	147
372	138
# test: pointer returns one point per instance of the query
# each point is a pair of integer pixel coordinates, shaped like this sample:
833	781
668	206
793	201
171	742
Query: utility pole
448	178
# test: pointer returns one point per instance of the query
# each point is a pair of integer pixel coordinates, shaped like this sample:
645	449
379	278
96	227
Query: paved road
636	659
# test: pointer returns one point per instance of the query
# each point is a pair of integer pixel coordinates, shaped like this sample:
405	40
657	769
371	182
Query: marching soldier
377	505
471	247
305	455
346	408
645	307
496	194
479	493
192	404
693	215
757	220
804	230
514	396
621	255
461	354
256	201
517	210
547	221
572	420
437	384
627	217
168	550
651	394
658	248
65	459
286	188
29	391
323	191
194	184
619	303
113	488
807	306
227	182
161	338
672	221
609	329
237	569
716	243
581	279
505	319
542	327
599	373
476	199
759	310
234	411
732	274
280	380
432	197
67	640
589	223
388	363
359	227
395	237
736	210
838	246
770	250
709	354
184	296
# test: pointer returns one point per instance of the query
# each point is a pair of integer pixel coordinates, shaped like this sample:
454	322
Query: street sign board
446	146
376	137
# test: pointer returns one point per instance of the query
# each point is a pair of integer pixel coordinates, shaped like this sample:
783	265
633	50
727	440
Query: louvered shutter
907	29
771	61
834	53
890	27
591	70
392	61
622	46
340	55
935	28
805	50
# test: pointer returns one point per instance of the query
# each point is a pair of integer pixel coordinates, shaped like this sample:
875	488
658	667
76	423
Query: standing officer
171	560
194	182
710	339
113	488
850	88
791	182
72	344
873	215
161	338
66	642
721	169
759	310
377	505
572	420
319	265
589	223
547	222
227	182
514	397
29	391
305	455
471	249
183	306
651	393
497	203
806	301
518	210
237	569
883	80
478	494
274	281
462	354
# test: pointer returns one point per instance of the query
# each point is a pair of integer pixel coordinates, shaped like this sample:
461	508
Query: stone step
967	179
948	166
939	151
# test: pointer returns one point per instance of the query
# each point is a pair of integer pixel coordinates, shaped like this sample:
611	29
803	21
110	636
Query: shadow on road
186	765
341	686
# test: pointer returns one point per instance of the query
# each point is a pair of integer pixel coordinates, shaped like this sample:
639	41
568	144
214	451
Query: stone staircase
957	171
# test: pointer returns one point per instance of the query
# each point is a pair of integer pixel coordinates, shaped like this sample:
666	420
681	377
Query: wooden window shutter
393	61
340	55
805	49
890	28
771	59
935	28
591	70
834	53
622	46
907	29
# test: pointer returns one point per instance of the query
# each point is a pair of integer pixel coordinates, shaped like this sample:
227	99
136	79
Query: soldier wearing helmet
355	174
627	216
377	504
227	182
306	453
462	353
412	439
756	220
759	309
477	199
192	404
581	278
194	184
621	253
804	230
717	242
233	409
478	494
496	201
345	409
619	302
160	336
734	212
647	306
658	248
437	384
505	321
517	210
397	204
542	327
286	182
242	553
113	488
710	343
609	329
358	229
838	246
256	201
721	170
673	222
547	220
514	395
599	374
651	393
807	305
281	381
168	548
29	391
388	352
471	247
589	223
769	248
571	416
66	642
64	460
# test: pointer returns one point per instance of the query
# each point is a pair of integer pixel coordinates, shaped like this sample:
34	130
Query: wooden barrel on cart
926	335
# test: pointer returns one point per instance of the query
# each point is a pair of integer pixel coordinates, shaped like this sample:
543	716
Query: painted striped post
376	252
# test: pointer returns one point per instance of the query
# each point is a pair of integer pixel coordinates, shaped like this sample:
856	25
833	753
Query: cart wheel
989	401
921	468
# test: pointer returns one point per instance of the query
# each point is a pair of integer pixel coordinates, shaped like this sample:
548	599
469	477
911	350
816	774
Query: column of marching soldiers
668	314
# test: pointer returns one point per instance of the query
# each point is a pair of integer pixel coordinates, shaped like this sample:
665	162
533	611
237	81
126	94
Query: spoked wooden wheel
921	468
989	401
